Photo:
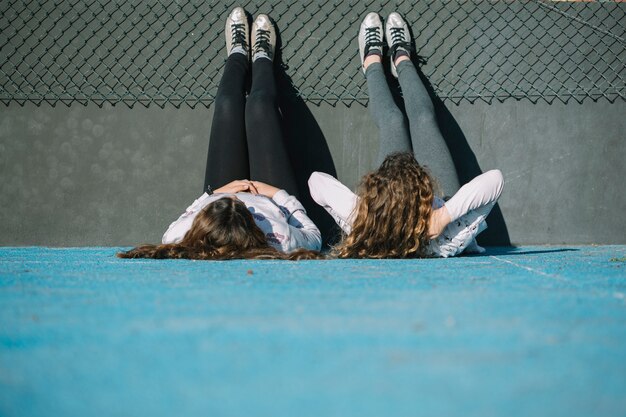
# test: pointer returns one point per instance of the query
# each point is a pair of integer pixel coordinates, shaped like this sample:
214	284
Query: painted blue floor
530	331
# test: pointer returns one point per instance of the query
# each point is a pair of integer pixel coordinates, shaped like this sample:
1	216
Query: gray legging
425	139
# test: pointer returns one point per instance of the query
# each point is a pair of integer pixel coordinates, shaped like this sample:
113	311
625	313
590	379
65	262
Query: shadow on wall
467	168
307	147
309	151
464	159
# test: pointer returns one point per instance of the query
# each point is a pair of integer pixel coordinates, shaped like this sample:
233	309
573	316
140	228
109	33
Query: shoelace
239	34
372	39
398	41
262	41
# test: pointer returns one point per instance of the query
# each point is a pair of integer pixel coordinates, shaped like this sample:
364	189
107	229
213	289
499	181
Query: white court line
527	268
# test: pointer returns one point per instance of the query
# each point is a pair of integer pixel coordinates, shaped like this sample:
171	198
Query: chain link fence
172	52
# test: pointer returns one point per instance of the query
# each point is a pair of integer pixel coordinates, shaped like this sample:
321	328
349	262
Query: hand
265	189
238	186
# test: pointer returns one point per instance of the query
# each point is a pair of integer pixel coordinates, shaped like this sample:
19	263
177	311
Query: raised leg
269	160
227	159
429	146
392	129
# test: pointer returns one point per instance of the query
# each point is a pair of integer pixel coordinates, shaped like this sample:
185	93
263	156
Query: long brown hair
224	229
393	213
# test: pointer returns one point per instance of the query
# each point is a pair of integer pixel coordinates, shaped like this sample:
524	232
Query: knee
392	117
259	103
395	117
229	104
425	118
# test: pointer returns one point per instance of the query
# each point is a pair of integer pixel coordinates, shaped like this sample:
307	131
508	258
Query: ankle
370	59
261	55
401	58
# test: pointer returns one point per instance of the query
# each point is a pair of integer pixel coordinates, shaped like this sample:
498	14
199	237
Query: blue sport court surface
530	331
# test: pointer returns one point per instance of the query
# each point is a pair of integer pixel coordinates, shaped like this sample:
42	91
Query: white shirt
282	219
468	209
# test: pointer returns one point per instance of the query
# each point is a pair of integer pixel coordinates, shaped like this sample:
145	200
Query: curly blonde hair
393	212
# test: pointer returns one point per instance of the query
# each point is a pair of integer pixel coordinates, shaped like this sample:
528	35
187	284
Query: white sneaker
370	36
263	38
237	32
398	38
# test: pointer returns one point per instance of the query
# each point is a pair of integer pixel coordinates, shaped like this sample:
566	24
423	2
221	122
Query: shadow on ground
511	250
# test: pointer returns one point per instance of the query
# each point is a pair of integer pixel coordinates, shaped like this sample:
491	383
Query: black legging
246	139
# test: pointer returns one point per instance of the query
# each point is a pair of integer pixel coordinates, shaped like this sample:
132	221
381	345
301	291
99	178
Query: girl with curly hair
396	212
245	218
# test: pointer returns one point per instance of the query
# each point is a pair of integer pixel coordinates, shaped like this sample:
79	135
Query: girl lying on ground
244	218
395	213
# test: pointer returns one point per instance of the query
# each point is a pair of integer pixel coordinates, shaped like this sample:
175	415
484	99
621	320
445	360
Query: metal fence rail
172	52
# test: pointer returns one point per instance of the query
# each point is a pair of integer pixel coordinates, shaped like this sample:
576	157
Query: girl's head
395	203
224	229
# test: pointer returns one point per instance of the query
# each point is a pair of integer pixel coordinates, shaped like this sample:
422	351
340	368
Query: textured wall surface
118	176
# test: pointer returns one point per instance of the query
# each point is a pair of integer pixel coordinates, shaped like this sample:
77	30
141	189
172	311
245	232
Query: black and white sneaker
398	38
263	38
370	37
237	32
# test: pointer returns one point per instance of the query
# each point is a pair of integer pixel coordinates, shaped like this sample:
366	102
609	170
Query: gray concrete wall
118	176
